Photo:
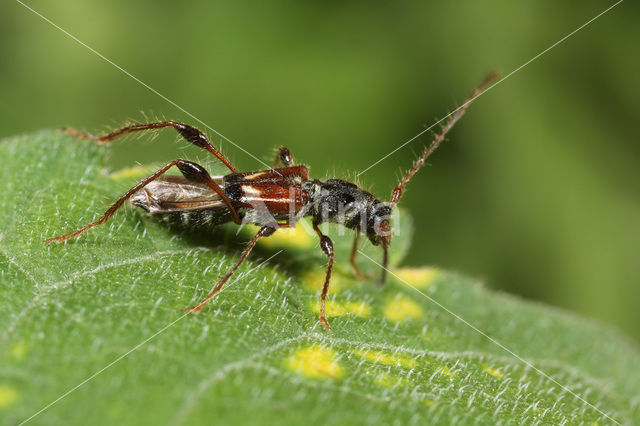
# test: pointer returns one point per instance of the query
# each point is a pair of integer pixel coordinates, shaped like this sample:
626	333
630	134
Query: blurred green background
537	191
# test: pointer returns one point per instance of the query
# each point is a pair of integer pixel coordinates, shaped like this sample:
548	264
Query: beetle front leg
352	259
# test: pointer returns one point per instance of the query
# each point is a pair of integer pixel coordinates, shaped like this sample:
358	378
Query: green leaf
257	353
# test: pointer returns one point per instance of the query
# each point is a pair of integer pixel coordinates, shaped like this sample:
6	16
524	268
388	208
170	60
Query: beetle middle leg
190	133
327	247
189	170
265	231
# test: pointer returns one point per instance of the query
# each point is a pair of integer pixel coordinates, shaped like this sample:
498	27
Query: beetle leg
191	171
196	173
327	247
190	133
284	156
352	259
265	231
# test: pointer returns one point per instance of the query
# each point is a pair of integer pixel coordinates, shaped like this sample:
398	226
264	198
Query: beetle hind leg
189	170
189	133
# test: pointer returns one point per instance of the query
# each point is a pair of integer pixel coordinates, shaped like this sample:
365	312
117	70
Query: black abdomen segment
195	219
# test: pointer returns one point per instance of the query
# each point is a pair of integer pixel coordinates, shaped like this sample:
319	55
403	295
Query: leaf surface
257	353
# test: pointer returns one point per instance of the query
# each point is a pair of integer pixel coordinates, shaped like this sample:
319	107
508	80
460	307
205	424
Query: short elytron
272	199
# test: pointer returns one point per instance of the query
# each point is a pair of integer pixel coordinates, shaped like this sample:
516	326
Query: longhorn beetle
272	199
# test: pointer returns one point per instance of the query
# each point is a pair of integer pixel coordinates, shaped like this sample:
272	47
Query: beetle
272	199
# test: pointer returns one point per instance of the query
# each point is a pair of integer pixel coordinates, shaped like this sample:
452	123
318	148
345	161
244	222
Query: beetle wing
177	194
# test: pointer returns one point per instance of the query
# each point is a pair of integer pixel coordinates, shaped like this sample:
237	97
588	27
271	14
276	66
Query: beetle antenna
453	118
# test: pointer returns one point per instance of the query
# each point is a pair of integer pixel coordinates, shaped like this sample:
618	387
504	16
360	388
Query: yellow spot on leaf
8	396
429	402
382	358
360	309
315	362
389	380
418	277
492	372
18	351
337	309
402	308
298	237
313	281
133	172
447	372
